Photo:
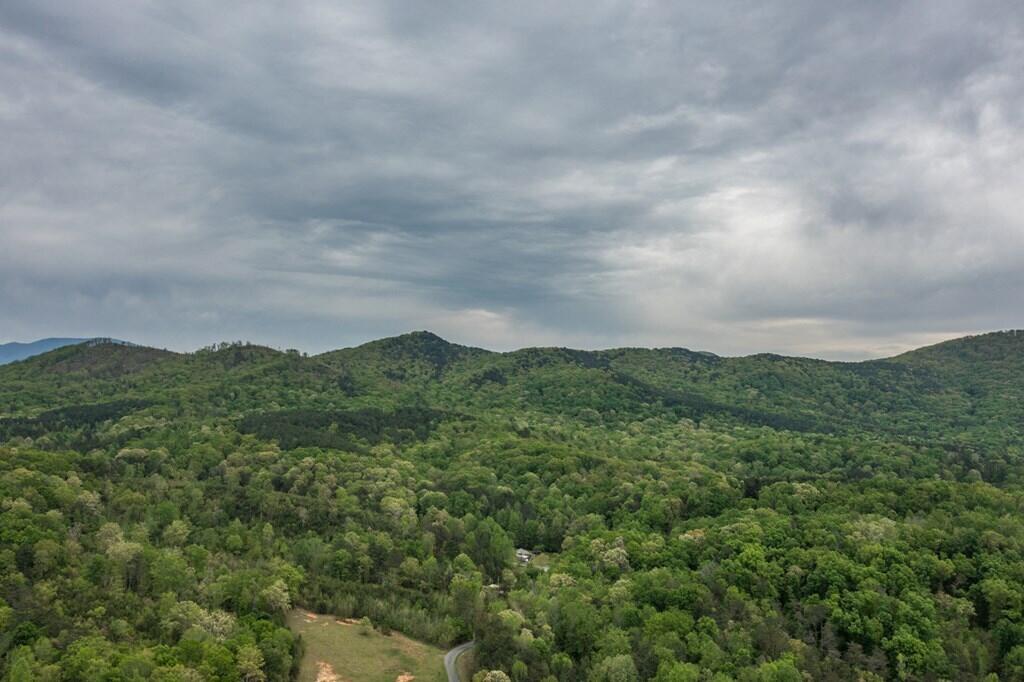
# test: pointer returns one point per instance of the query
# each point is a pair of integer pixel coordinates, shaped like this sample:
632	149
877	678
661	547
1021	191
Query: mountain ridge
956	384
16	350
425	340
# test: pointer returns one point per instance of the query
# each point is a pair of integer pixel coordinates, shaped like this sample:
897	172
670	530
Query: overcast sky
837	179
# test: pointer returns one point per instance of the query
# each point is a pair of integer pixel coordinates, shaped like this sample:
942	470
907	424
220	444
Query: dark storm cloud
838	178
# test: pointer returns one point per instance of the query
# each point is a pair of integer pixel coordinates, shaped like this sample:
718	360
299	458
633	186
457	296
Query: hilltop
760	517
959	385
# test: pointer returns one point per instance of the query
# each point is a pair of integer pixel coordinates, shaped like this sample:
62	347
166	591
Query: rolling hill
701	517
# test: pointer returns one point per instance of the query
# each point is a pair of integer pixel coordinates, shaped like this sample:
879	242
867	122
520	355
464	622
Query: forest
701	518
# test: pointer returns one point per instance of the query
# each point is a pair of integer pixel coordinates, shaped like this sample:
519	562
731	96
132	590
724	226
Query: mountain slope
935	394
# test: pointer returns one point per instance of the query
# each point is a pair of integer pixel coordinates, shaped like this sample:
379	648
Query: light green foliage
699	518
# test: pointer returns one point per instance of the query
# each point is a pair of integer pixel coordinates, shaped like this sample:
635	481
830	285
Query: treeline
73	426
342	429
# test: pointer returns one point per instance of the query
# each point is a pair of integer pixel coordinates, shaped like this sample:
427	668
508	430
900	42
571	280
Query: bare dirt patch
325	672
405	677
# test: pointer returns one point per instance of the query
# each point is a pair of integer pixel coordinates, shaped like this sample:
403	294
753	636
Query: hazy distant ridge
12	352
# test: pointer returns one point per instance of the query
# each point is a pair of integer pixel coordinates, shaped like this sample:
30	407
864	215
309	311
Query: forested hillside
700	517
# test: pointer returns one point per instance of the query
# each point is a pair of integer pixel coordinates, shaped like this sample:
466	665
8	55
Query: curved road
451	657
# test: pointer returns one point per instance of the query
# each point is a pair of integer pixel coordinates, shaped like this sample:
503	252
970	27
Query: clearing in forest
339	650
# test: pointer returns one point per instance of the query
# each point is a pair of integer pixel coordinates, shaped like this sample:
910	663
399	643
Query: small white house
524	555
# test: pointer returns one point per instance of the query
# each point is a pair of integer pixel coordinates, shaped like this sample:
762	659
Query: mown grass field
338	651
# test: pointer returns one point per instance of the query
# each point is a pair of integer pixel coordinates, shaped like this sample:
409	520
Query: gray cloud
839	179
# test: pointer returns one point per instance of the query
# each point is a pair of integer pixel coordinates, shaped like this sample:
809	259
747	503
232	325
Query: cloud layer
838	179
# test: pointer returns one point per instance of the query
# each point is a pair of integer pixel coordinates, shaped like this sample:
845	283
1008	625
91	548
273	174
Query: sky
839	179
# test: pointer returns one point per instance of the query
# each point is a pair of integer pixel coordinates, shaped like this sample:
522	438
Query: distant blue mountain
12	352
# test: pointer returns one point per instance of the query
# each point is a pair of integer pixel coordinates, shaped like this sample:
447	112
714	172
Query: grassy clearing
466	665
542	561
345	651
